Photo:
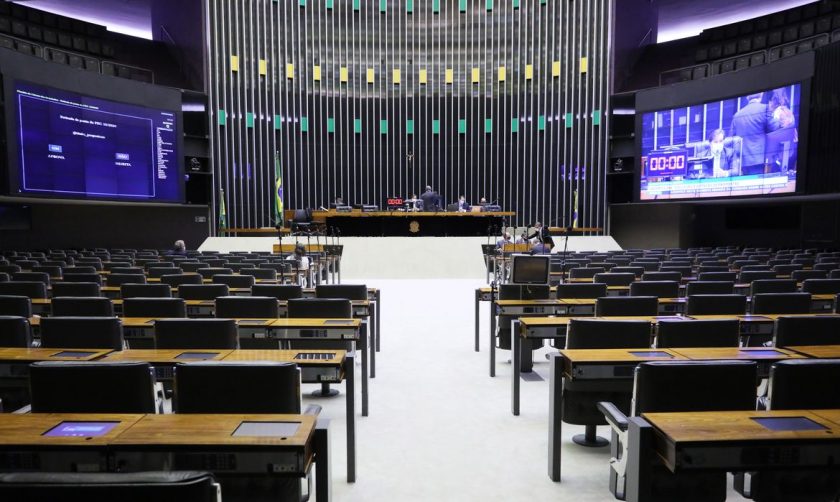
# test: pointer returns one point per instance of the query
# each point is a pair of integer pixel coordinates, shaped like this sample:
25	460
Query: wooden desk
164	360
817	351
411	223
763	356
30	355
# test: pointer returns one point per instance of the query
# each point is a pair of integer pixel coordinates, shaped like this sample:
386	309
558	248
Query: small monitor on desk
266	429
529	269
81	429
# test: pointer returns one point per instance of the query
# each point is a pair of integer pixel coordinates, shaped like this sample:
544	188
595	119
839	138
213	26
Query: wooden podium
290	248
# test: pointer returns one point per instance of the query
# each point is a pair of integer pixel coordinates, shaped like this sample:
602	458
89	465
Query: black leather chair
801	275
120	279
210	272
781	303
32	277
679	386
155	307
626	306
235	280
92	387
196	334
704	269
585	272
637	271
82	306
684	270
716	305
581	290
83	277
614	279
238	307
158	272
169	486
16	305
4	277
773	286
709	288
145	291
176	280
29	289
580	398
88	289
750	276
806	330
718	276
342	291
14	331
10	269
659	289
697	333
127	270
202	291
279	291
662	276
821	286
260	273
237	387
81	333
52	271
190	267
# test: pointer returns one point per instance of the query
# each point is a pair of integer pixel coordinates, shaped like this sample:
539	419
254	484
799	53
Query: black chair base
590	439
325	391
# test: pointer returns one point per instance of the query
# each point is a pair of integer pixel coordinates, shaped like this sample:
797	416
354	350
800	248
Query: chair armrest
614	416
312	409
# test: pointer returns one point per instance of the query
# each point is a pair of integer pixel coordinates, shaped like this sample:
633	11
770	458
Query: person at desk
542	247
482	202
522	239
414	204
178	249
431	199
301	264
506	239
752	123
722	159
540	234
463	207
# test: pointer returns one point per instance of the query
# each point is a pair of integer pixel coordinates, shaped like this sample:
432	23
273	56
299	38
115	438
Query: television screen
741	146
530	269
78	146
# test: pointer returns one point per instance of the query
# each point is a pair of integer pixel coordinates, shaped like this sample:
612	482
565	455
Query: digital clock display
395	202
666	164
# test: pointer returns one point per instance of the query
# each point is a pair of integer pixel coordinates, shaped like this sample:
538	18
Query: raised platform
411	224
405	257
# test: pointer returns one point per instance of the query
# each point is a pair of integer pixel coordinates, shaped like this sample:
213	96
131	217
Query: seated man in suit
463	207
506	239
722	159
431	199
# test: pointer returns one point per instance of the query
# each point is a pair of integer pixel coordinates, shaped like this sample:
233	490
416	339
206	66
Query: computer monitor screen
740	146
530	269
81	429
73	145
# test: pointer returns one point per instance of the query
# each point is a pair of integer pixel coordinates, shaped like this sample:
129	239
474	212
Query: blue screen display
77	146
746	145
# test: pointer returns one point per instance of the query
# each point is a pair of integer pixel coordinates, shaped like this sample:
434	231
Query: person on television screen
723	161
752	123
779	106
463	207
431	199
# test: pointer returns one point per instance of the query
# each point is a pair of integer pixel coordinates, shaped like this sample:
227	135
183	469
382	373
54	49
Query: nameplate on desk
762	353
670	318
251	322
73	353
788	424
266	429
754	318
314	356
651	353
197	355
339	322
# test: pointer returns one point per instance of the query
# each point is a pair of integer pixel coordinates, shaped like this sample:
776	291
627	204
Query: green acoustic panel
596	117
488	5
435	126
436	6
249	119
541	122
543	2
357	4
304	124
462	5
488	126
302	3
222	117
569	120
383	127
330	4
409	6
514	125
357	126
515	4
383	5
462	126
277	121
330	124
409	126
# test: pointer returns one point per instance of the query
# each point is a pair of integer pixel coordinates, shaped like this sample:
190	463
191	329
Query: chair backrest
786	268
821	286
637	271
697	333
15	305
202	291
158	272
127	270
260	273
176	280
709	288
716	305
718	276
750	276
259	307
781	303
806	330
50	270
32	277
10	268
169	486
804	384
145	291
673	386
155	307
210	272
648	266
88	289
189	266
626	306
92	387
76	332
524	292
29	289
120	279
662	276
14	331
83	277
237	387
279	291
834	274
114	265
235	280
585	272
707	269
801	275
614	279
685	270
581	290
196	334
603	334
773	286
320	308
342	291
659	289
82	306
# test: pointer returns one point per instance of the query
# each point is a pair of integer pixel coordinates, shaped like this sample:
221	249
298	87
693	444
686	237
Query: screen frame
26	69
794	70
527	257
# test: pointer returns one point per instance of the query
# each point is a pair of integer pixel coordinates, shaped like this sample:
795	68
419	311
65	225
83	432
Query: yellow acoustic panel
424	76
344	74
290	70
234	63
371	76
396	75
502	73
449	76
555	69
316	73
476	75
584	65
263	67
529	71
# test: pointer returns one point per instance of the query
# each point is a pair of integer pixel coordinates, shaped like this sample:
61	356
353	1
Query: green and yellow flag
222	211
575	213
278	191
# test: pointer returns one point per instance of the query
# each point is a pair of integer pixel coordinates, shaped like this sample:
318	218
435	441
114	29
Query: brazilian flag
278	191
222	211
575	214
